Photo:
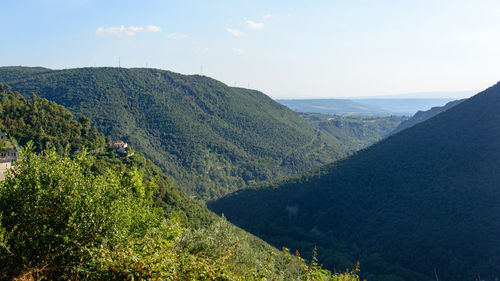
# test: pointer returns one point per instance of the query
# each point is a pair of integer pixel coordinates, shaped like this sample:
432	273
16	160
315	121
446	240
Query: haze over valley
164	140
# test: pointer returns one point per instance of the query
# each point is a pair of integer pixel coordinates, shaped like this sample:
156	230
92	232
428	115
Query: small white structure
120	147
4	167
7	156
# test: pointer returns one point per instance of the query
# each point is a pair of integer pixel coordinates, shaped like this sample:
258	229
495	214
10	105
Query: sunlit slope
210	137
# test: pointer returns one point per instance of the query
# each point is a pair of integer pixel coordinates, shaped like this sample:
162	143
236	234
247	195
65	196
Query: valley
77	184
186	123
364	107
211	138
249	140
418	203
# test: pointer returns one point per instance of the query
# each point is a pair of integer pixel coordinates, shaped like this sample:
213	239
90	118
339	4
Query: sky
286	49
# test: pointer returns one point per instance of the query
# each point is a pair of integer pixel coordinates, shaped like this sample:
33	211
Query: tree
59	216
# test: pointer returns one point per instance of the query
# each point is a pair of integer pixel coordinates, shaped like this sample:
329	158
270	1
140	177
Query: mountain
354	133
334	107
364	107
43	123
421	116
209	137
422	204
98	216
454	95
406	106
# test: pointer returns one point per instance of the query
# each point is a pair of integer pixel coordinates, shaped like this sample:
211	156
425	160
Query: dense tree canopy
211	138
354	133
72	213
60	220
419	203
44	122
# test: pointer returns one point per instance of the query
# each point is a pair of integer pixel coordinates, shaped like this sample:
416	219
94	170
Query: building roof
119	143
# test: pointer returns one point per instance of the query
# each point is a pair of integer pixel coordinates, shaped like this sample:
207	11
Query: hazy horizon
417	95
286	49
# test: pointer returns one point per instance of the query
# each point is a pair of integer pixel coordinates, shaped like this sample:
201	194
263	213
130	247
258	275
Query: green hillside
210	137
421	203
354	133
421	116
67	213
43	123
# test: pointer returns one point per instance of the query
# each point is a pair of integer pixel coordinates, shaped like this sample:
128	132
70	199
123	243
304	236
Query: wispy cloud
126	30
235	32
177	35
268	16
254	25
238	50
153	28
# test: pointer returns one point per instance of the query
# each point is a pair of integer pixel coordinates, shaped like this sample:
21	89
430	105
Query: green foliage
164	189
57	213
7	145
44	122
353	133
211	138
420	201
91	217
63	221
3	236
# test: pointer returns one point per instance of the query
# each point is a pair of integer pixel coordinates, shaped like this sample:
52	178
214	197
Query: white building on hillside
8	155
120	147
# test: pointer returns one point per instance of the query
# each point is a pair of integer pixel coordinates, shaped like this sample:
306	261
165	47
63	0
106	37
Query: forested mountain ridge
421	116
210	137
419	204
76	213
43	123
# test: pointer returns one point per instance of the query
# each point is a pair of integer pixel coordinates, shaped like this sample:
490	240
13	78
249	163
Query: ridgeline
420	205
211	138
72	208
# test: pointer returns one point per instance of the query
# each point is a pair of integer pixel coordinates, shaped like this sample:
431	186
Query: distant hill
334	107
364	107
210	137
419	204
355	133
421	116
406	106
454	95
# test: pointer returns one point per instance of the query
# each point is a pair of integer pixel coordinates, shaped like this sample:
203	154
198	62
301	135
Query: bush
59	220
59	216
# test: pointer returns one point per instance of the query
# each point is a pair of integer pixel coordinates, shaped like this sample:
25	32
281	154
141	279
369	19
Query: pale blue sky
286	49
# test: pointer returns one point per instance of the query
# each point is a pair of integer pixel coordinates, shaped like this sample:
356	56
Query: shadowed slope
425	199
